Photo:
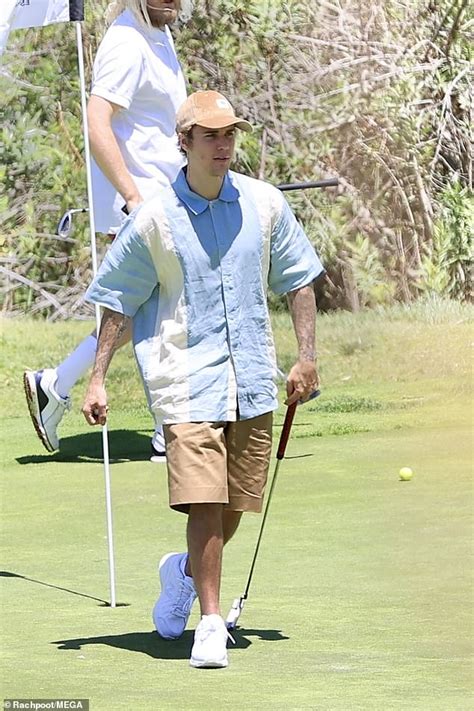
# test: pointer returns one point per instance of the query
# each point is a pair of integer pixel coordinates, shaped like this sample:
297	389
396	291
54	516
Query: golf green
362	592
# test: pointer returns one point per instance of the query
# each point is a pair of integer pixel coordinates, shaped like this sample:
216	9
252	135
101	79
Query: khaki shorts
219	462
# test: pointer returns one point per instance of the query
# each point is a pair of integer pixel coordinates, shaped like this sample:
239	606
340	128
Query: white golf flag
17	14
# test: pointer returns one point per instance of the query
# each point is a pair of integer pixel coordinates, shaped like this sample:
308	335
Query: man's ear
183	141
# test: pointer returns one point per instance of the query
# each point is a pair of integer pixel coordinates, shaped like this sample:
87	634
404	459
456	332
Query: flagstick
105	439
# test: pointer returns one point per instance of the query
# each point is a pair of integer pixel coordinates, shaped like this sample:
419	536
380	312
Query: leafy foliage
376	93
446	264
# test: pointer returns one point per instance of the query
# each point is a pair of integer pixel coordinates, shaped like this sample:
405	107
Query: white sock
158	439
75	365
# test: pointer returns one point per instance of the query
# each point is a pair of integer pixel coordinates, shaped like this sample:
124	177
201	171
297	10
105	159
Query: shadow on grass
103	603
153	645
124	445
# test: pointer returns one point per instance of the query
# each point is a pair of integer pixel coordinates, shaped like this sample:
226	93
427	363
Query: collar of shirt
198	204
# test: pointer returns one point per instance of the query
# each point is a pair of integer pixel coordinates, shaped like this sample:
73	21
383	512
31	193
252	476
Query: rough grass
362	593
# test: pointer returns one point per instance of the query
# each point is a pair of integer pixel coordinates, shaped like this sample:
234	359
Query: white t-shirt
137	68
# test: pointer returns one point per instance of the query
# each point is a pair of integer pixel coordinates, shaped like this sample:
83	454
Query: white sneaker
173	607
210	643
158	447
46	406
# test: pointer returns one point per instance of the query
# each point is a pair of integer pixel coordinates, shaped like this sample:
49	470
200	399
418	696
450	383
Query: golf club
65	223
286	187
238	604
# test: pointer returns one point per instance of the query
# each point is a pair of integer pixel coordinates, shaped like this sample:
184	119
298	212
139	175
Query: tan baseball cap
210	110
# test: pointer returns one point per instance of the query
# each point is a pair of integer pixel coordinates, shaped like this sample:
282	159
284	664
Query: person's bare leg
205	543
230	523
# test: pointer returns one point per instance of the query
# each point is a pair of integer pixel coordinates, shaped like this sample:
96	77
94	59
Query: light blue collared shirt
193	273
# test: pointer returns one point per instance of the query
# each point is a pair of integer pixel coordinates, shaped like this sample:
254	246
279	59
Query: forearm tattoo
302	304
112	328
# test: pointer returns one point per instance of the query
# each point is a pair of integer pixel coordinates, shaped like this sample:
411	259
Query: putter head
234	613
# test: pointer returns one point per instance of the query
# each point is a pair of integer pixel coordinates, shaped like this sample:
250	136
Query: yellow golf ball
406	473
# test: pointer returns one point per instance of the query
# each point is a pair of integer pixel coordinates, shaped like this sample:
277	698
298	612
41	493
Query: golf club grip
285	433
326	183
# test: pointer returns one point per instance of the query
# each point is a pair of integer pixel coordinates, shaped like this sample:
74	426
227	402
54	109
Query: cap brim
223	123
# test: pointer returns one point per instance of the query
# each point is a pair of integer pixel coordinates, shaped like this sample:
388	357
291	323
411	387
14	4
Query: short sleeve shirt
193	273
136	67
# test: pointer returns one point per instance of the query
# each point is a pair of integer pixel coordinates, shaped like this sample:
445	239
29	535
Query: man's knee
207	513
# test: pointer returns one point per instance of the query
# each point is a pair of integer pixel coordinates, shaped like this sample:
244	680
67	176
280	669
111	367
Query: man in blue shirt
191	267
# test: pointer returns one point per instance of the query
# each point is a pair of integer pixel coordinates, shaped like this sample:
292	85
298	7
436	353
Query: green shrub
375	93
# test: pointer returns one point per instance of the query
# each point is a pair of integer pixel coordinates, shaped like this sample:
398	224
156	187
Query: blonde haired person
137	87
140	10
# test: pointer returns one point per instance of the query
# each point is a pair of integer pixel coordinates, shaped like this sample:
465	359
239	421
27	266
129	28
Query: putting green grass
362	594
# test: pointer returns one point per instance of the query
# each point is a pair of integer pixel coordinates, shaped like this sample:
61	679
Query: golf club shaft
249	580
326	183
285	433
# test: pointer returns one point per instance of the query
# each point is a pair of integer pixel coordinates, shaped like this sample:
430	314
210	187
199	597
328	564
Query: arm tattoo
112	328
302	305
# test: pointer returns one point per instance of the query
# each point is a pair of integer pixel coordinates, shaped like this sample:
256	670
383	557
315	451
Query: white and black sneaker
46	406
158	447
